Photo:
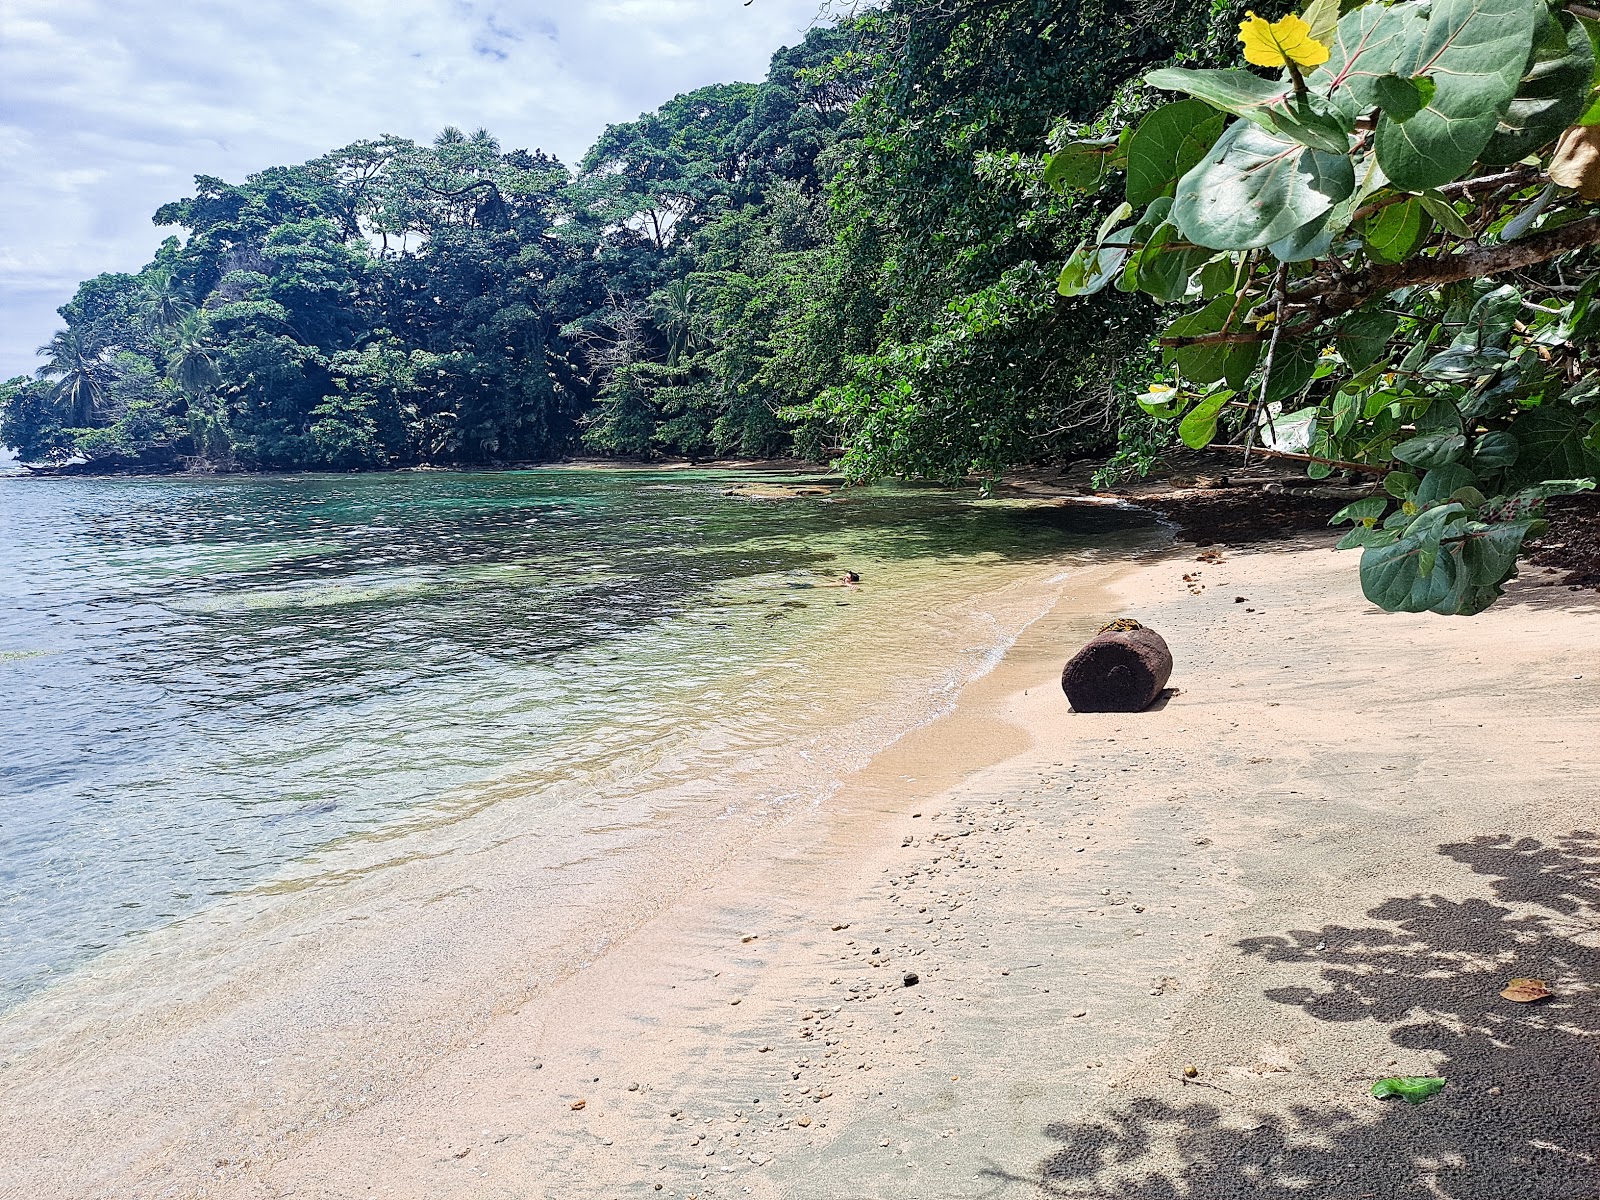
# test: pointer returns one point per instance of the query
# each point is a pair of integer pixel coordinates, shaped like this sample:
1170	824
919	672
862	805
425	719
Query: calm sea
204	683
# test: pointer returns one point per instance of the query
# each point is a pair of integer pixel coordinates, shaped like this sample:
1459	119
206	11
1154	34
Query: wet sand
1316	864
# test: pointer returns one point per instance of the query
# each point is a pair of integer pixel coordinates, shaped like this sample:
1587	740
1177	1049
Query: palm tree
193	369
167	302
81	374
673	308
191	366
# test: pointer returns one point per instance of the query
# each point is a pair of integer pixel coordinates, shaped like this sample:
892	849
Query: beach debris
1190	1071
1526	991
1122	669
1414	1089
579	1105
910	979
836	928
748	938
802	1121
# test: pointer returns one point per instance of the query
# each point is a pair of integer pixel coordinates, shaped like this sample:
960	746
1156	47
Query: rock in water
1122	669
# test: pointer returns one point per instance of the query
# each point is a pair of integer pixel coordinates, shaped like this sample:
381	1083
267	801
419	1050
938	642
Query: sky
109	108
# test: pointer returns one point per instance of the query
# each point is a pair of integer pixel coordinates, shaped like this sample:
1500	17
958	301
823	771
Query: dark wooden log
1120	670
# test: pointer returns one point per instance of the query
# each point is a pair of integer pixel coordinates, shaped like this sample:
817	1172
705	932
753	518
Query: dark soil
1572	543
1235	516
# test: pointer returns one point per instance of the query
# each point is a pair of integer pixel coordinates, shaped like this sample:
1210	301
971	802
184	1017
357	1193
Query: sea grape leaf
1475	51
1366	45
1431	450
1441	483
1199	426
1362	536
1322	19
1292	368
1080	166
1411	574
1552	95
1161	272
1241	93
1490	321
1166	145
1363	335
1458	365
1089	269
1402	485
1254	188
1489	558
1402	98
1368	509
1211	361
1442	211
1551	440
1551	487
1494	451
1280	43
1395	230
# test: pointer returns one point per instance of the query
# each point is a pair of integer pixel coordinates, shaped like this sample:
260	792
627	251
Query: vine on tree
1383	261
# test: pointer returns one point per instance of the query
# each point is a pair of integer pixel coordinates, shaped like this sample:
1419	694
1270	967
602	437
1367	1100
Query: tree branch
1364	468
1337	297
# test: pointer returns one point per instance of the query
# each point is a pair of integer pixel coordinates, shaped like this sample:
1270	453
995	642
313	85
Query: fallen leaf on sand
1525	991
1412	1088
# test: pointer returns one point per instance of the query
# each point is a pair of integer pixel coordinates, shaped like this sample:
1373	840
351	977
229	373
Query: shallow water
208	682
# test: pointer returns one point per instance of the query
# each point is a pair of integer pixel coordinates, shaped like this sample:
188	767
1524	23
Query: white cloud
108	108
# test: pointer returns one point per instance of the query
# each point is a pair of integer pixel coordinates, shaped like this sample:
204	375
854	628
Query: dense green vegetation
1384	264
852	256
1376	257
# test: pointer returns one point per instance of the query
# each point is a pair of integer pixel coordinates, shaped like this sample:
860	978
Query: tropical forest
938	241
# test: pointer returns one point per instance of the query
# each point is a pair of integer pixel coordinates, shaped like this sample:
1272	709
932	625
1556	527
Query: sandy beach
984	967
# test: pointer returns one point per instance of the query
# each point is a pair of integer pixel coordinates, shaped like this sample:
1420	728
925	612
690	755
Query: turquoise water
206	682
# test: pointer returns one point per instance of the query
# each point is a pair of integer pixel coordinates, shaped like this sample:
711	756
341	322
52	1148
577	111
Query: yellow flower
1280	43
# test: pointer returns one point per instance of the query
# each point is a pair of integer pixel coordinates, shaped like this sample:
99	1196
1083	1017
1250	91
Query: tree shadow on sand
1430	969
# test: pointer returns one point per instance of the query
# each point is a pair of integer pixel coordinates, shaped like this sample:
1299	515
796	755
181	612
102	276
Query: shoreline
1236	880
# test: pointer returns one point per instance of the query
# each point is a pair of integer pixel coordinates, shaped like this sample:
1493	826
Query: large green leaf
1199	427
1475	51
1550	442
1413	574
1553	93
1254	188
1366	46
1162	272
1080	166
1234	91
1430	450
1443	482
1363	335
1210	361
1394	232
1167	143
1292	368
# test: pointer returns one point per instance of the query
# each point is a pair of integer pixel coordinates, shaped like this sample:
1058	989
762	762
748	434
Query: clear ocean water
205	682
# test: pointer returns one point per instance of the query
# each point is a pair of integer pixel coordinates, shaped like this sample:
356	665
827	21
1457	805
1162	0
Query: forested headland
939	240
855	256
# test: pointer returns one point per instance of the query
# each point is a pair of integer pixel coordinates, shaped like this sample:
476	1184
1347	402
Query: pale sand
1317	864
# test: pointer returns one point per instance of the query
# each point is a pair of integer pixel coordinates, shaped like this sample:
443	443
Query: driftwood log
1122	669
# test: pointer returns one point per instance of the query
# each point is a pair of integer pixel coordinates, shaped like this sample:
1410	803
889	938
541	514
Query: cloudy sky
109	108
